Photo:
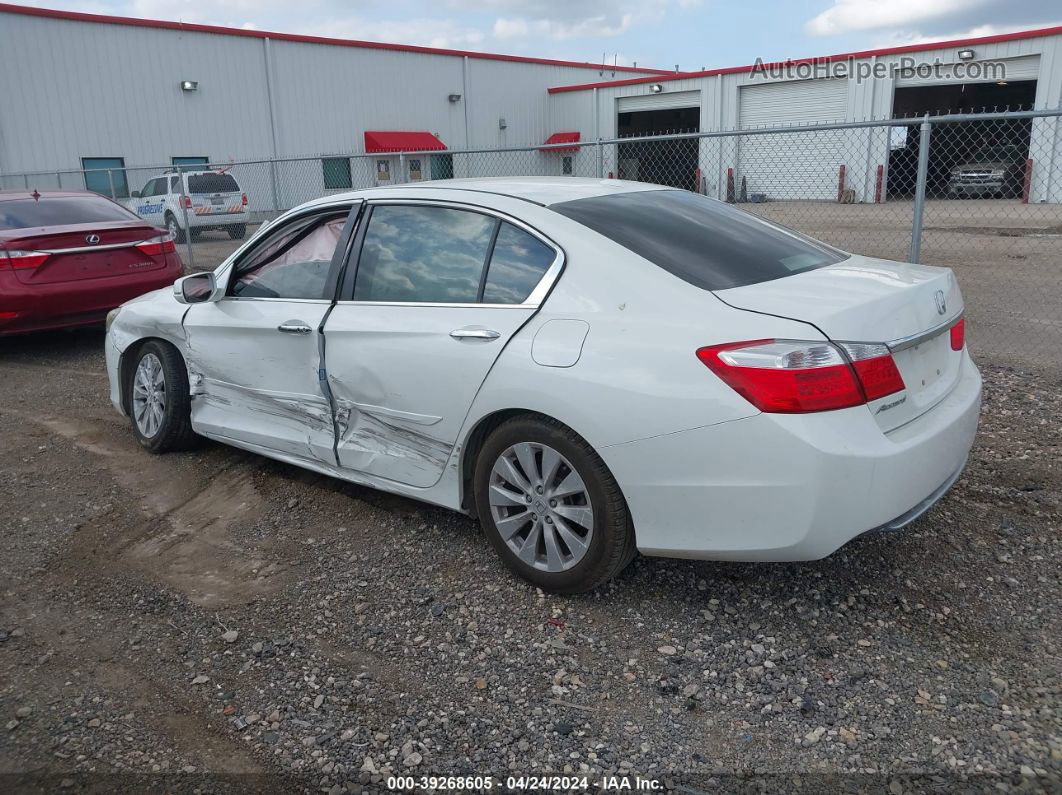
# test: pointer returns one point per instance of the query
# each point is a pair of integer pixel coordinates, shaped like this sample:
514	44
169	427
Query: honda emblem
92	239
942	305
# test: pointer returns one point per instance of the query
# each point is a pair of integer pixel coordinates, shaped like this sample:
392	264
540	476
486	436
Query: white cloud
442	33
592	27
848	15
902	38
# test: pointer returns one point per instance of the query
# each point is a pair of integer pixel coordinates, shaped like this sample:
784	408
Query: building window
442	166
190	163
336	173
566	165
106	176
415	172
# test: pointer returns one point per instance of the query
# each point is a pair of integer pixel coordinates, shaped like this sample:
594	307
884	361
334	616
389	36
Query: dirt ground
214	621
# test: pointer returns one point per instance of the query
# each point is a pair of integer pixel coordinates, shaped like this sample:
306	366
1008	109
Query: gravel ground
215	621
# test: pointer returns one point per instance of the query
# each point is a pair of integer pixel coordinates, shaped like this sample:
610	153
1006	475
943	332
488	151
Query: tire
174	228
558	567
165	422
237	231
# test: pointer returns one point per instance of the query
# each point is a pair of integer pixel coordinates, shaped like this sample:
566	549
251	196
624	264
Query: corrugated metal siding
115	91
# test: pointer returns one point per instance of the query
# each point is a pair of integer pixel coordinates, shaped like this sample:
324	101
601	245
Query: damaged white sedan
593	367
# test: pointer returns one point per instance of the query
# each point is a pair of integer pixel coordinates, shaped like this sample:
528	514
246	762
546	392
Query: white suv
208	200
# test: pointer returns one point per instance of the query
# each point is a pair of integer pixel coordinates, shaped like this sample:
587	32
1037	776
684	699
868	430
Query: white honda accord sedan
592	367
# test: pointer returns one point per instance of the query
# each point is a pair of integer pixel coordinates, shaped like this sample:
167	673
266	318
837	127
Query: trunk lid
871	300
74	253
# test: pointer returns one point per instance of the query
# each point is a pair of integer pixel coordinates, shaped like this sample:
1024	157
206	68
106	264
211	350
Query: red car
69	257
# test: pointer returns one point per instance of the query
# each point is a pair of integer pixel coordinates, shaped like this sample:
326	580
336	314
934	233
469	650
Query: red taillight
243	200
163	244
186	202
26	259
958	335
875	368
795	377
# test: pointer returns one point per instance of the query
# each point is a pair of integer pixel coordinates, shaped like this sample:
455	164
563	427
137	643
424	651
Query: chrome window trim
903	343
270	298
534	298
465	305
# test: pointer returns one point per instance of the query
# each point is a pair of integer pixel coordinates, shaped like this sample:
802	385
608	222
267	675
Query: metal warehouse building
118	93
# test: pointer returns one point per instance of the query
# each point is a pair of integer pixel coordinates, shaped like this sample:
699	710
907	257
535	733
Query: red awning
377	141
564	138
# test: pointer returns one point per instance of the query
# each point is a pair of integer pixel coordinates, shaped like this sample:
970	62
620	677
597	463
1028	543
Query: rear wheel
237	231
158	399
550	506
174	228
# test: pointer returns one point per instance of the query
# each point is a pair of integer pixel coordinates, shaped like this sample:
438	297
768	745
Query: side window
423	254
155	187
293	262
518	263
173	185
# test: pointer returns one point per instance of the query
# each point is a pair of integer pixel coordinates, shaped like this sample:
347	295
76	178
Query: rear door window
423	254
703	241
212	183
60	210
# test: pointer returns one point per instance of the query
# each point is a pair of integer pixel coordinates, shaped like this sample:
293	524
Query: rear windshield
60	210
212	183
703	241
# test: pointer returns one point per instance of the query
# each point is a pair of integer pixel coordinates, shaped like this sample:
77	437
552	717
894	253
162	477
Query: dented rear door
433	298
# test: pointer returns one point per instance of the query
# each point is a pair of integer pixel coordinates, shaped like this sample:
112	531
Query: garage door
663	101
1024	68
800	165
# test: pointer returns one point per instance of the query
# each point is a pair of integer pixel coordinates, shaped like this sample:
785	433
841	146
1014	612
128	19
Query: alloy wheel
541	507
149	395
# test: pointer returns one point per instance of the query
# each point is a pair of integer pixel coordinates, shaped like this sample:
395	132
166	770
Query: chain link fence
980	192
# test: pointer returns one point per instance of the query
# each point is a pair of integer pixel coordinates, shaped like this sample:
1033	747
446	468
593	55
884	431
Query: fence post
110	179
187	228
600	158
401	175
276	192
920	189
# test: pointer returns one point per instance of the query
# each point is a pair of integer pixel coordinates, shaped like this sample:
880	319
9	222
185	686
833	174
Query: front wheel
158	399
550	506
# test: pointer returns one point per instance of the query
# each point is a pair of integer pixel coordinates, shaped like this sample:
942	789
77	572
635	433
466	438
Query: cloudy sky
660	33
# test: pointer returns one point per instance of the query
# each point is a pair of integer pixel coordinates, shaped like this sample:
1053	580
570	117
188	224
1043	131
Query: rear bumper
37	307
218	219
777	487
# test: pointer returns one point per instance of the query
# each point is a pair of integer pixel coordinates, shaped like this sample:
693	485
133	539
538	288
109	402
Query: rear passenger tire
174	228
238	231
550	506
158	399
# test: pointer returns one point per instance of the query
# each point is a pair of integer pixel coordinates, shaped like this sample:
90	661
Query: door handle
475	334
294	327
